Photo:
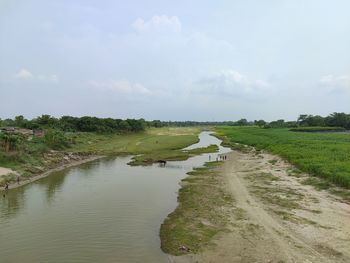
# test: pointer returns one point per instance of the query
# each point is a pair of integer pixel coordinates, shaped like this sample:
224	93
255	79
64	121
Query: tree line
77	124
304	120
336	119
108	125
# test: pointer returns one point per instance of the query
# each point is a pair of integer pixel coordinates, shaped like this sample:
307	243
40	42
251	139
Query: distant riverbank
148	147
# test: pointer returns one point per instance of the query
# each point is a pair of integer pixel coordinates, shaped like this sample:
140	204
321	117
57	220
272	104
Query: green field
318	129
154	139
326	155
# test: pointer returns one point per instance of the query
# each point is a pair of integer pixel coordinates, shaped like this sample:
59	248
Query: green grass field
326	155
318	129
155	139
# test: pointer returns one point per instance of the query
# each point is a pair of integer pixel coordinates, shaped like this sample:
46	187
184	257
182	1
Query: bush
55	139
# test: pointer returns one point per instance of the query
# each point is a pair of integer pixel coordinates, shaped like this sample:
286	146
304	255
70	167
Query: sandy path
5	171
275	218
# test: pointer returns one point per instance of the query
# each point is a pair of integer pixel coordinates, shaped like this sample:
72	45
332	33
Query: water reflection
11	203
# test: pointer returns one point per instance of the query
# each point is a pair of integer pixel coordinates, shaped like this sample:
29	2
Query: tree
302	119
260	123
20	121
338	120
46	121
55	139
124	126
242	122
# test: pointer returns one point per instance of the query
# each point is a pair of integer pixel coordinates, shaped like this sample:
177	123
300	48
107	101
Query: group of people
219	158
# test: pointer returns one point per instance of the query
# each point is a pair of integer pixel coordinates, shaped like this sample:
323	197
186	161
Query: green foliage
242	122
79	124
318	129
322	154
260	123
55	139
334	120
20	121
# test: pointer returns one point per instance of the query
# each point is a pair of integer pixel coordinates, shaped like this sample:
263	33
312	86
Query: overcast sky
175	60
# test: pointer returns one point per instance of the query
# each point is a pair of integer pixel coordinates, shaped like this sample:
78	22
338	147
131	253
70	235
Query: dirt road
277	218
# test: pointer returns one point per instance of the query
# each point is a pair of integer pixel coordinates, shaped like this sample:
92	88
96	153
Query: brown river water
102	211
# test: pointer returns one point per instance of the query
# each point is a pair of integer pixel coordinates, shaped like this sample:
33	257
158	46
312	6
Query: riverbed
102	211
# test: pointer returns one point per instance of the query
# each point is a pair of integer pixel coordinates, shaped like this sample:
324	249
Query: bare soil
277	218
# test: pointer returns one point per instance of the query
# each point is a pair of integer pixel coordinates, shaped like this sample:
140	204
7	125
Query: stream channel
102	211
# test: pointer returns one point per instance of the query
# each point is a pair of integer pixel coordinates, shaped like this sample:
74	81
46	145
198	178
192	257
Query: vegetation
147	142
55	139
318	129
321	154
10	142
78	124
200	214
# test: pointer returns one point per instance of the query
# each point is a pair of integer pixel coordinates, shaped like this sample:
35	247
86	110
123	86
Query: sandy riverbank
71	163
275	217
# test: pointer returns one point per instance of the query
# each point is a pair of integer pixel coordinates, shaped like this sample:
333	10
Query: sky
174	60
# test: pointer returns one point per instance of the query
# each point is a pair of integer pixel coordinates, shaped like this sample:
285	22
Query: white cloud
336	83
158	23
119	86
232	83
24	74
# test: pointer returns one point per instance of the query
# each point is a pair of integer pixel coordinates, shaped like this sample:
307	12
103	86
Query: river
102	211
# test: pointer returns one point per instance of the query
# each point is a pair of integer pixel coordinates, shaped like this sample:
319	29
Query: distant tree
315	120
47	121
124	126
260	123
20	121
68	123
156	123
276	124
338	120
9	123
302	119
242	122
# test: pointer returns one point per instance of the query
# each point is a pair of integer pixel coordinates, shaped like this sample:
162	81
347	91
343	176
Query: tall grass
321	154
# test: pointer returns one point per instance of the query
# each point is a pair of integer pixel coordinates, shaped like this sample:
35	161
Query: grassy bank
160	143
326	155
200	213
